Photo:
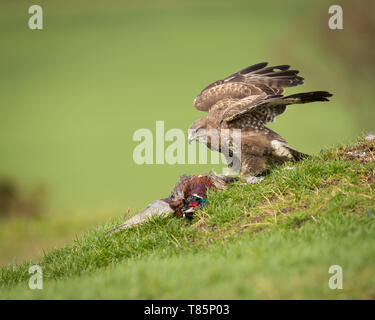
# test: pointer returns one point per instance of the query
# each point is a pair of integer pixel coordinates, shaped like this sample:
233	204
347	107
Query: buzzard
246	101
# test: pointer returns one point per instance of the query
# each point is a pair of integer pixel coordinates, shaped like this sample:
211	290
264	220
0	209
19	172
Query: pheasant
188	195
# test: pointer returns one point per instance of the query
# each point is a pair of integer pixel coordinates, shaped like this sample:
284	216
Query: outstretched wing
253	80
257	113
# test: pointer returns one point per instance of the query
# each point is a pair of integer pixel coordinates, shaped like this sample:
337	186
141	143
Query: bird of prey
247	100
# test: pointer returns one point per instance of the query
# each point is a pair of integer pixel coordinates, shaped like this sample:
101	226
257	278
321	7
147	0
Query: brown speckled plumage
247	100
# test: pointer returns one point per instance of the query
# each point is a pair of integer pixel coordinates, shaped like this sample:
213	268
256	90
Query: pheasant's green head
192	204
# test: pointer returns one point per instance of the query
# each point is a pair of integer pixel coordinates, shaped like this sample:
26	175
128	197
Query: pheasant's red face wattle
195	205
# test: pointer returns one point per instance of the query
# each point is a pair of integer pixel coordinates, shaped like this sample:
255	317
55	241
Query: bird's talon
253	180
289	168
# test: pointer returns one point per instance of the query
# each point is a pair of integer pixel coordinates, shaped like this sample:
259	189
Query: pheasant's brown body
197	185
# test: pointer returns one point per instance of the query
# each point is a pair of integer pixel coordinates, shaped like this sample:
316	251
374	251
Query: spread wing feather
258	113
257	79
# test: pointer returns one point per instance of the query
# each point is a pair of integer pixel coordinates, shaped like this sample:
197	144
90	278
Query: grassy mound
276	239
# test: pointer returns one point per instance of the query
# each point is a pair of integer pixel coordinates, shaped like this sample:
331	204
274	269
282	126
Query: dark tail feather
297	155
278	103
308	97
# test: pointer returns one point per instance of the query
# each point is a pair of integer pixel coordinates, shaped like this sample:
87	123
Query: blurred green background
73	94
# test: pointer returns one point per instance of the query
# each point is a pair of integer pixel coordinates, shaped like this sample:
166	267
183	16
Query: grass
276	239
25	237
74	94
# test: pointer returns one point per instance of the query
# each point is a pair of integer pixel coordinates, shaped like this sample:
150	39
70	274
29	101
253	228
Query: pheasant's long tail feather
156	208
